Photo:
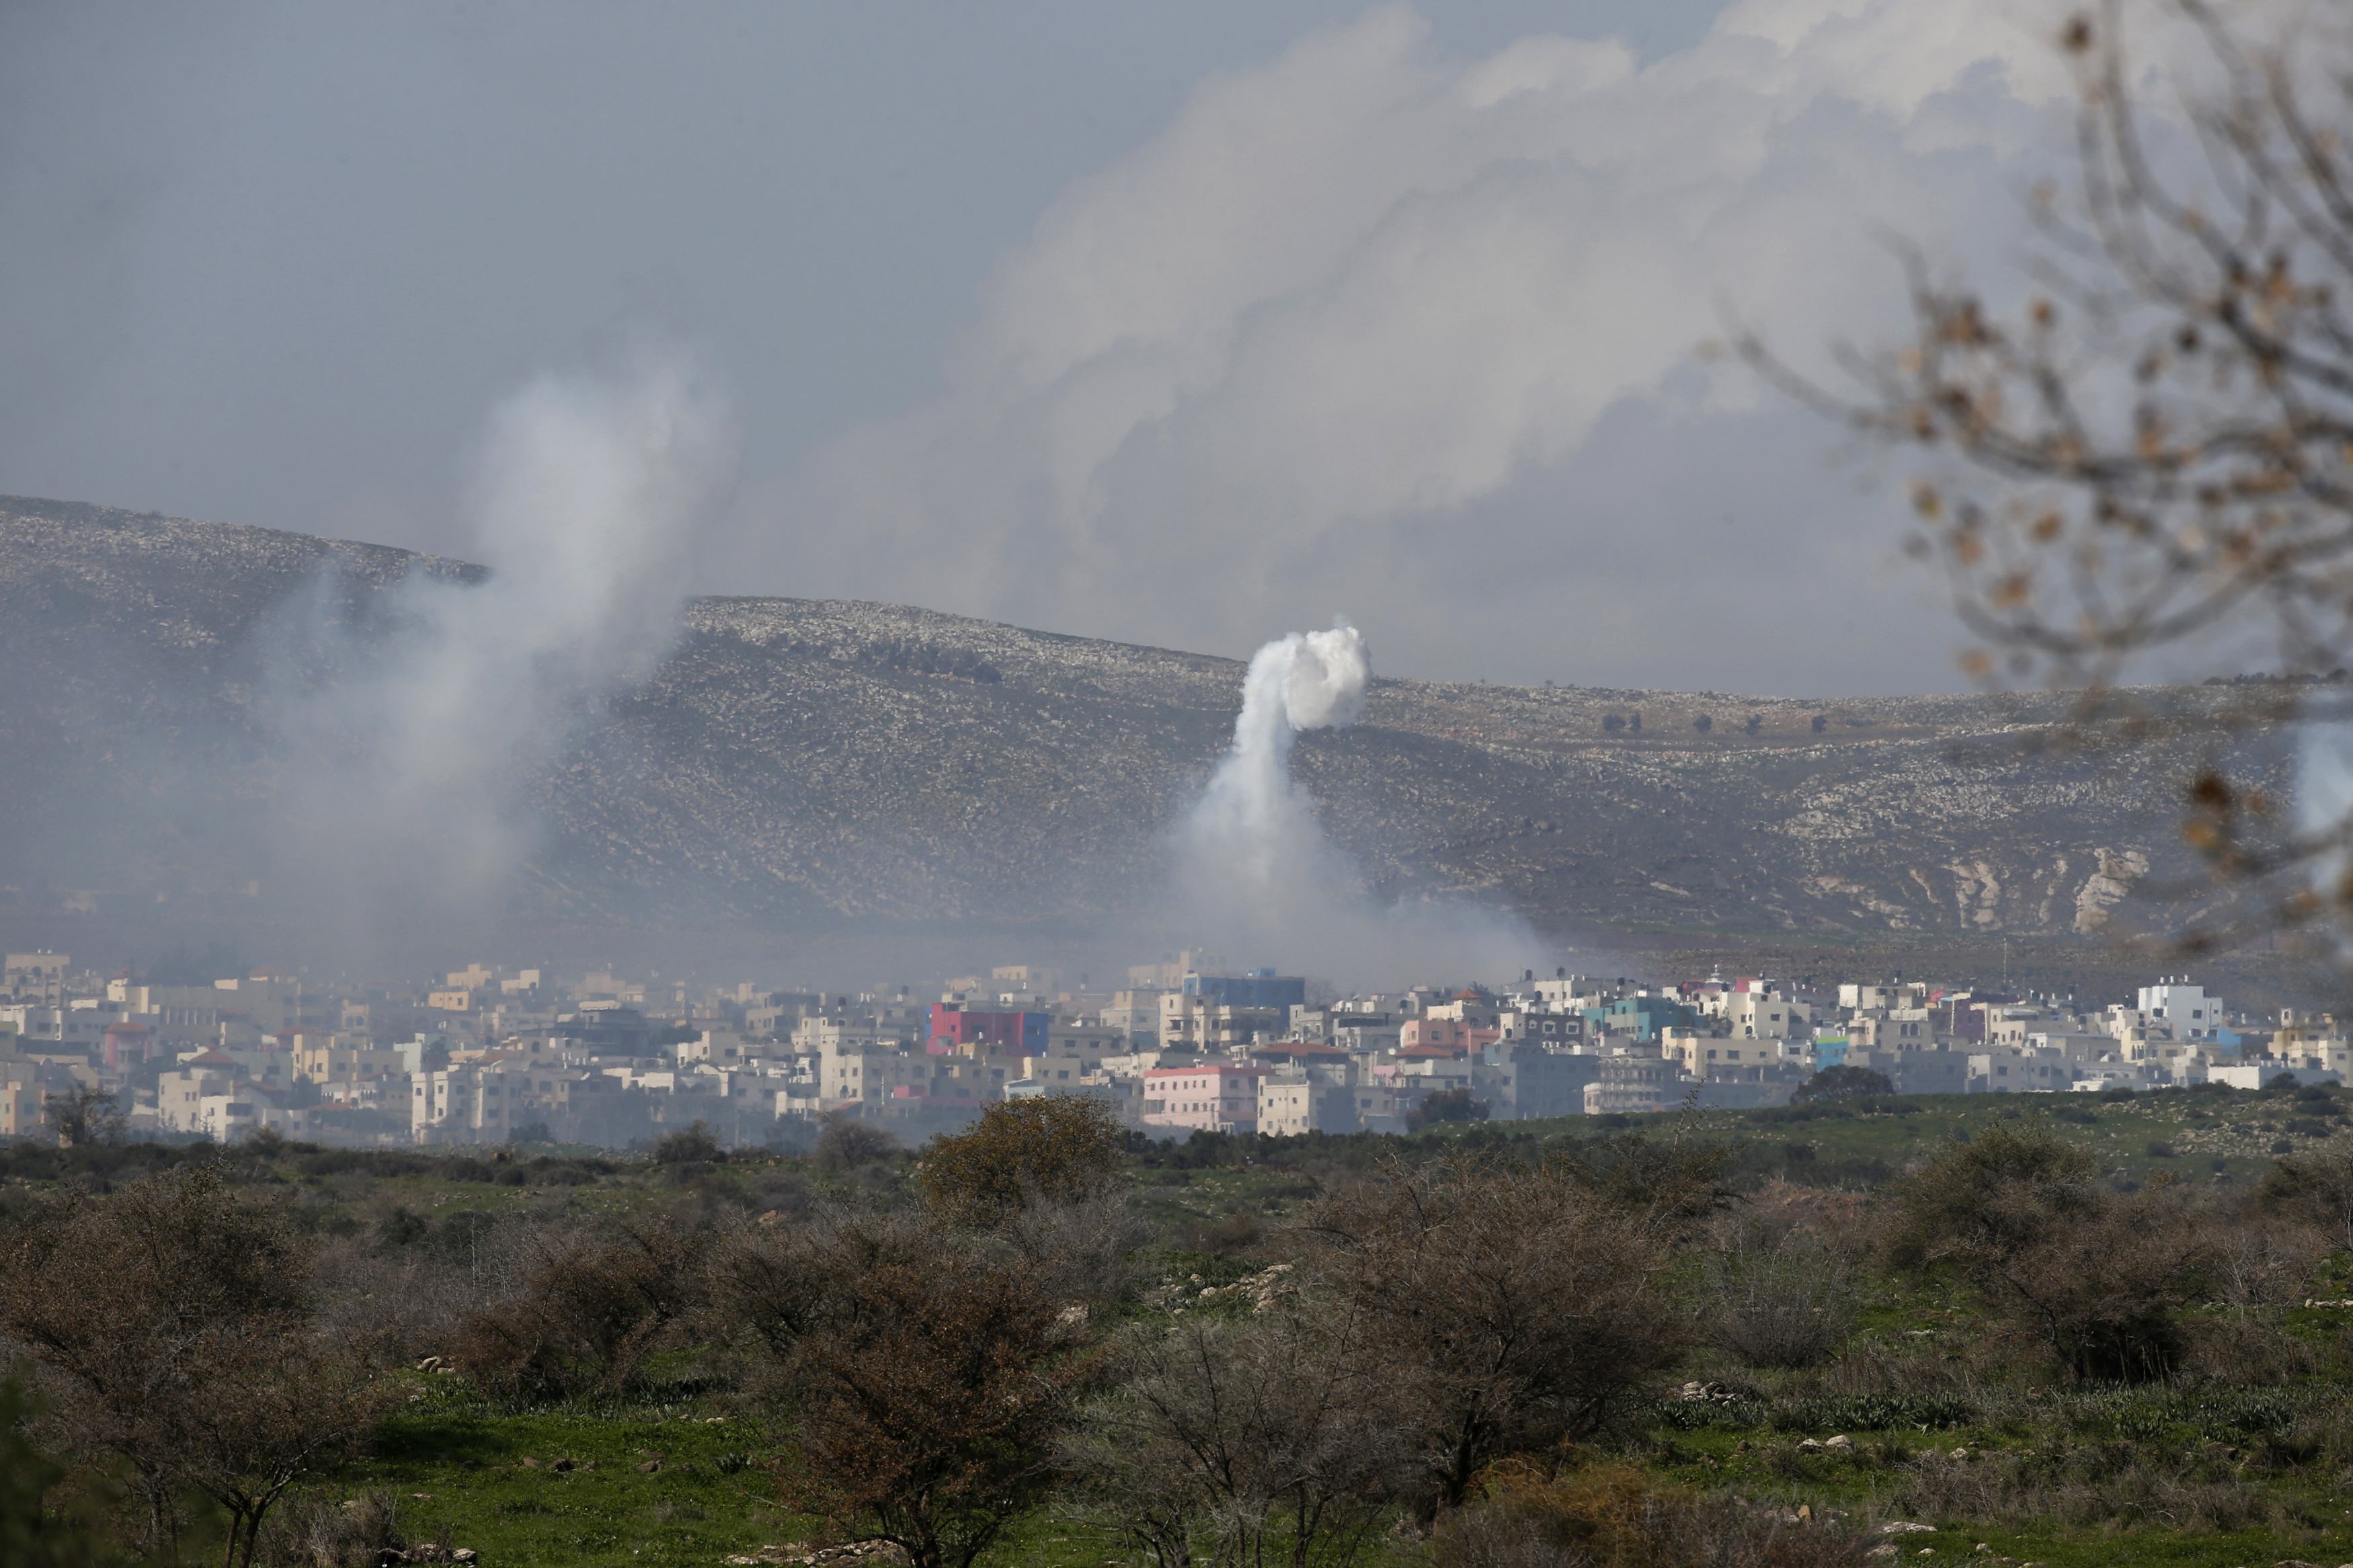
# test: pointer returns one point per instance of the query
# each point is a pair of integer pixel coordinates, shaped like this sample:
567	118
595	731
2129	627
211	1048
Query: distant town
489	1055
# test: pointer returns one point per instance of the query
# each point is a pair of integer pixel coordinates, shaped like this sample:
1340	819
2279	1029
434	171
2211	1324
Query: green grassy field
1943	1422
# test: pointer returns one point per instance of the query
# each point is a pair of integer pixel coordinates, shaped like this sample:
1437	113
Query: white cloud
1356	314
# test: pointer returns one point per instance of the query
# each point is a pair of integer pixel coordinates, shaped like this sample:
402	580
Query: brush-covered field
1801	1327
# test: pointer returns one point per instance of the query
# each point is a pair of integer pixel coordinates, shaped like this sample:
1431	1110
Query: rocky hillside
801	760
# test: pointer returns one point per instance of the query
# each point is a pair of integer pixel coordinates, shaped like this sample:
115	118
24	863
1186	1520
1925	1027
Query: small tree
589	1307
2315	1187
171	1325
1516	1307
1242	1434
1057	1147
928	1381
1704	723
846	1143
2101	1278
689	1146
1844	1082
85	1114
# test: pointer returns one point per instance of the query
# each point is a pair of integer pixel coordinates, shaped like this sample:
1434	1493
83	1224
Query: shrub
1615	1517
2100	1277
1056	1148
1446	1105
589	1307
846	1145
1224	1436
1841	1082
928	1380
2315	1189
1784	1301
172	1326
1516	1308
1672	1184
326	1532
689	1146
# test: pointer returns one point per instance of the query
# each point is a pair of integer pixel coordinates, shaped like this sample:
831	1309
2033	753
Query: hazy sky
1186	323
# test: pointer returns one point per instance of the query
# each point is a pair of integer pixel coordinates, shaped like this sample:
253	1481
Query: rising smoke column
1259	881
1254	827
406	757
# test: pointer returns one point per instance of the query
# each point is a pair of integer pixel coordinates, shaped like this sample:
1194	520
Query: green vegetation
2077	1329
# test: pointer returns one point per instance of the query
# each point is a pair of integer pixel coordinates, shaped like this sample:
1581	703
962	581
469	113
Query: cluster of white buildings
489	1055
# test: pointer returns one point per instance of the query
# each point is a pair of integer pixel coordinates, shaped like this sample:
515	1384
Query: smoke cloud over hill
1257	871
403	748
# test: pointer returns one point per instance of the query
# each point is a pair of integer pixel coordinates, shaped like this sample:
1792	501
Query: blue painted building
1643	1017
1252	988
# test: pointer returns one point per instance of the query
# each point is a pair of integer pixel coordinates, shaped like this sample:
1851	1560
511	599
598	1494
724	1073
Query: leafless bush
2315	1189
2091	1487
2100	1278
1777	1297
2259	1266
321	1531
926	1374
1516	1308
1080	1249
1612	1518
590	1303
172	1326
392	1306
2247	1352
1227	1437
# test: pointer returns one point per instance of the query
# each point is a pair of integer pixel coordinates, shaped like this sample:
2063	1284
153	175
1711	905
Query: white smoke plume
1259	877
1252	826
407	752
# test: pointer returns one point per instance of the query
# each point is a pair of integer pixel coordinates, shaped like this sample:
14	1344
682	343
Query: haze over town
1474	786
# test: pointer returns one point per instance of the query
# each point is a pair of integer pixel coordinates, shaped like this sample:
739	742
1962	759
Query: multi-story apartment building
1211	1097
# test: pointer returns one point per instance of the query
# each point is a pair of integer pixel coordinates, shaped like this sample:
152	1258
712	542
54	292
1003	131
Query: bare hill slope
802	760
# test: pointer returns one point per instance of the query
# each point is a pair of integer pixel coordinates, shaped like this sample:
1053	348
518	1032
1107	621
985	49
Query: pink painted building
1216	1097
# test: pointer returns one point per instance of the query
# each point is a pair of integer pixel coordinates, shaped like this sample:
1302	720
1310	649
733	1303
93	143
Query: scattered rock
877	1552
1906	1527
650	1465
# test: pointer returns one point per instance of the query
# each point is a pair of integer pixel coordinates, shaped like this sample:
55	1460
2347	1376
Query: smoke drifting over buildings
1258	872
403	744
